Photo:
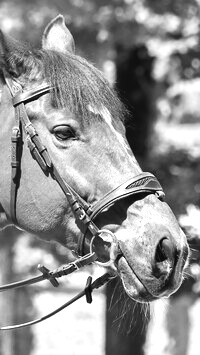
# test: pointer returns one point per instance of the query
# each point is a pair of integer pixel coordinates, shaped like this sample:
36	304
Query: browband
24	96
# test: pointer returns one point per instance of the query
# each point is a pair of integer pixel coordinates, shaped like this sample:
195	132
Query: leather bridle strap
21	118
16	143
145	183
79	206
90	286
142	183
15	169
83	212
53	275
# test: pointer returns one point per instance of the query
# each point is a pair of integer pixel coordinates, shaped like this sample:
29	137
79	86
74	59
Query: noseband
144	183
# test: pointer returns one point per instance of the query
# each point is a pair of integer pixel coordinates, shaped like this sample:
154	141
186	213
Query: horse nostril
165	250
164	258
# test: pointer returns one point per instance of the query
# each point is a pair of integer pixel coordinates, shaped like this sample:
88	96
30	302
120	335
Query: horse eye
63	133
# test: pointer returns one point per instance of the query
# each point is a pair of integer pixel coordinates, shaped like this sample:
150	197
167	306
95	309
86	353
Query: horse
74	177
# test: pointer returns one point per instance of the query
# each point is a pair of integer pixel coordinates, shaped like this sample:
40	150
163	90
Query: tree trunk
126	323
13	303
135	86
6	299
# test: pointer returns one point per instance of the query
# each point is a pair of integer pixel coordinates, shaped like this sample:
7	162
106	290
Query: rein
84	213
52	277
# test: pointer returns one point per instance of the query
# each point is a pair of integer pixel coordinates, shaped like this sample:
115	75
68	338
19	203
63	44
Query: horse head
79	120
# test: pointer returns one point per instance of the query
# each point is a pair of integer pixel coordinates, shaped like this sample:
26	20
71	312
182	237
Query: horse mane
78	84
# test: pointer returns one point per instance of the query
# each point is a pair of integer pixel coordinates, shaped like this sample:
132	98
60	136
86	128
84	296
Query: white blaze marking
105	114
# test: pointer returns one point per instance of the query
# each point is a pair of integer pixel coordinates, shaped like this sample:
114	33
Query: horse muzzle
145	280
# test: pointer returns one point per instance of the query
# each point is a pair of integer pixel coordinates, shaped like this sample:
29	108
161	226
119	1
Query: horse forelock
78	84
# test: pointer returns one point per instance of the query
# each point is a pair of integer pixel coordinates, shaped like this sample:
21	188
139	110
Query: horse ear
57	37
11	54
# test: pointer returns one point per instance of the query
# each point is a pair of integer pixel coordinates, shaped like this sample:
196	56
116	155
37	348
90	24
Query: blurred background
150	51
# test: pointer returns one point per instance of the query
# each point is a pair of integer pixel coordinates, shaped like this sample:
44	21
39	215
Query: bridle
84	214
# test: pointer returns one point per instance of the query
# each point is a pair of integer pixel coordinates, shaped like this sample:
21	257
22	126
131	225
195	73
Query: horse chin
134	288
137	289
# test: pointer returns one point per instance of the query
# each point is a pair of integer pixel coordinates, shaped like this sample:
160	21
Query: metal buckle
109	237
